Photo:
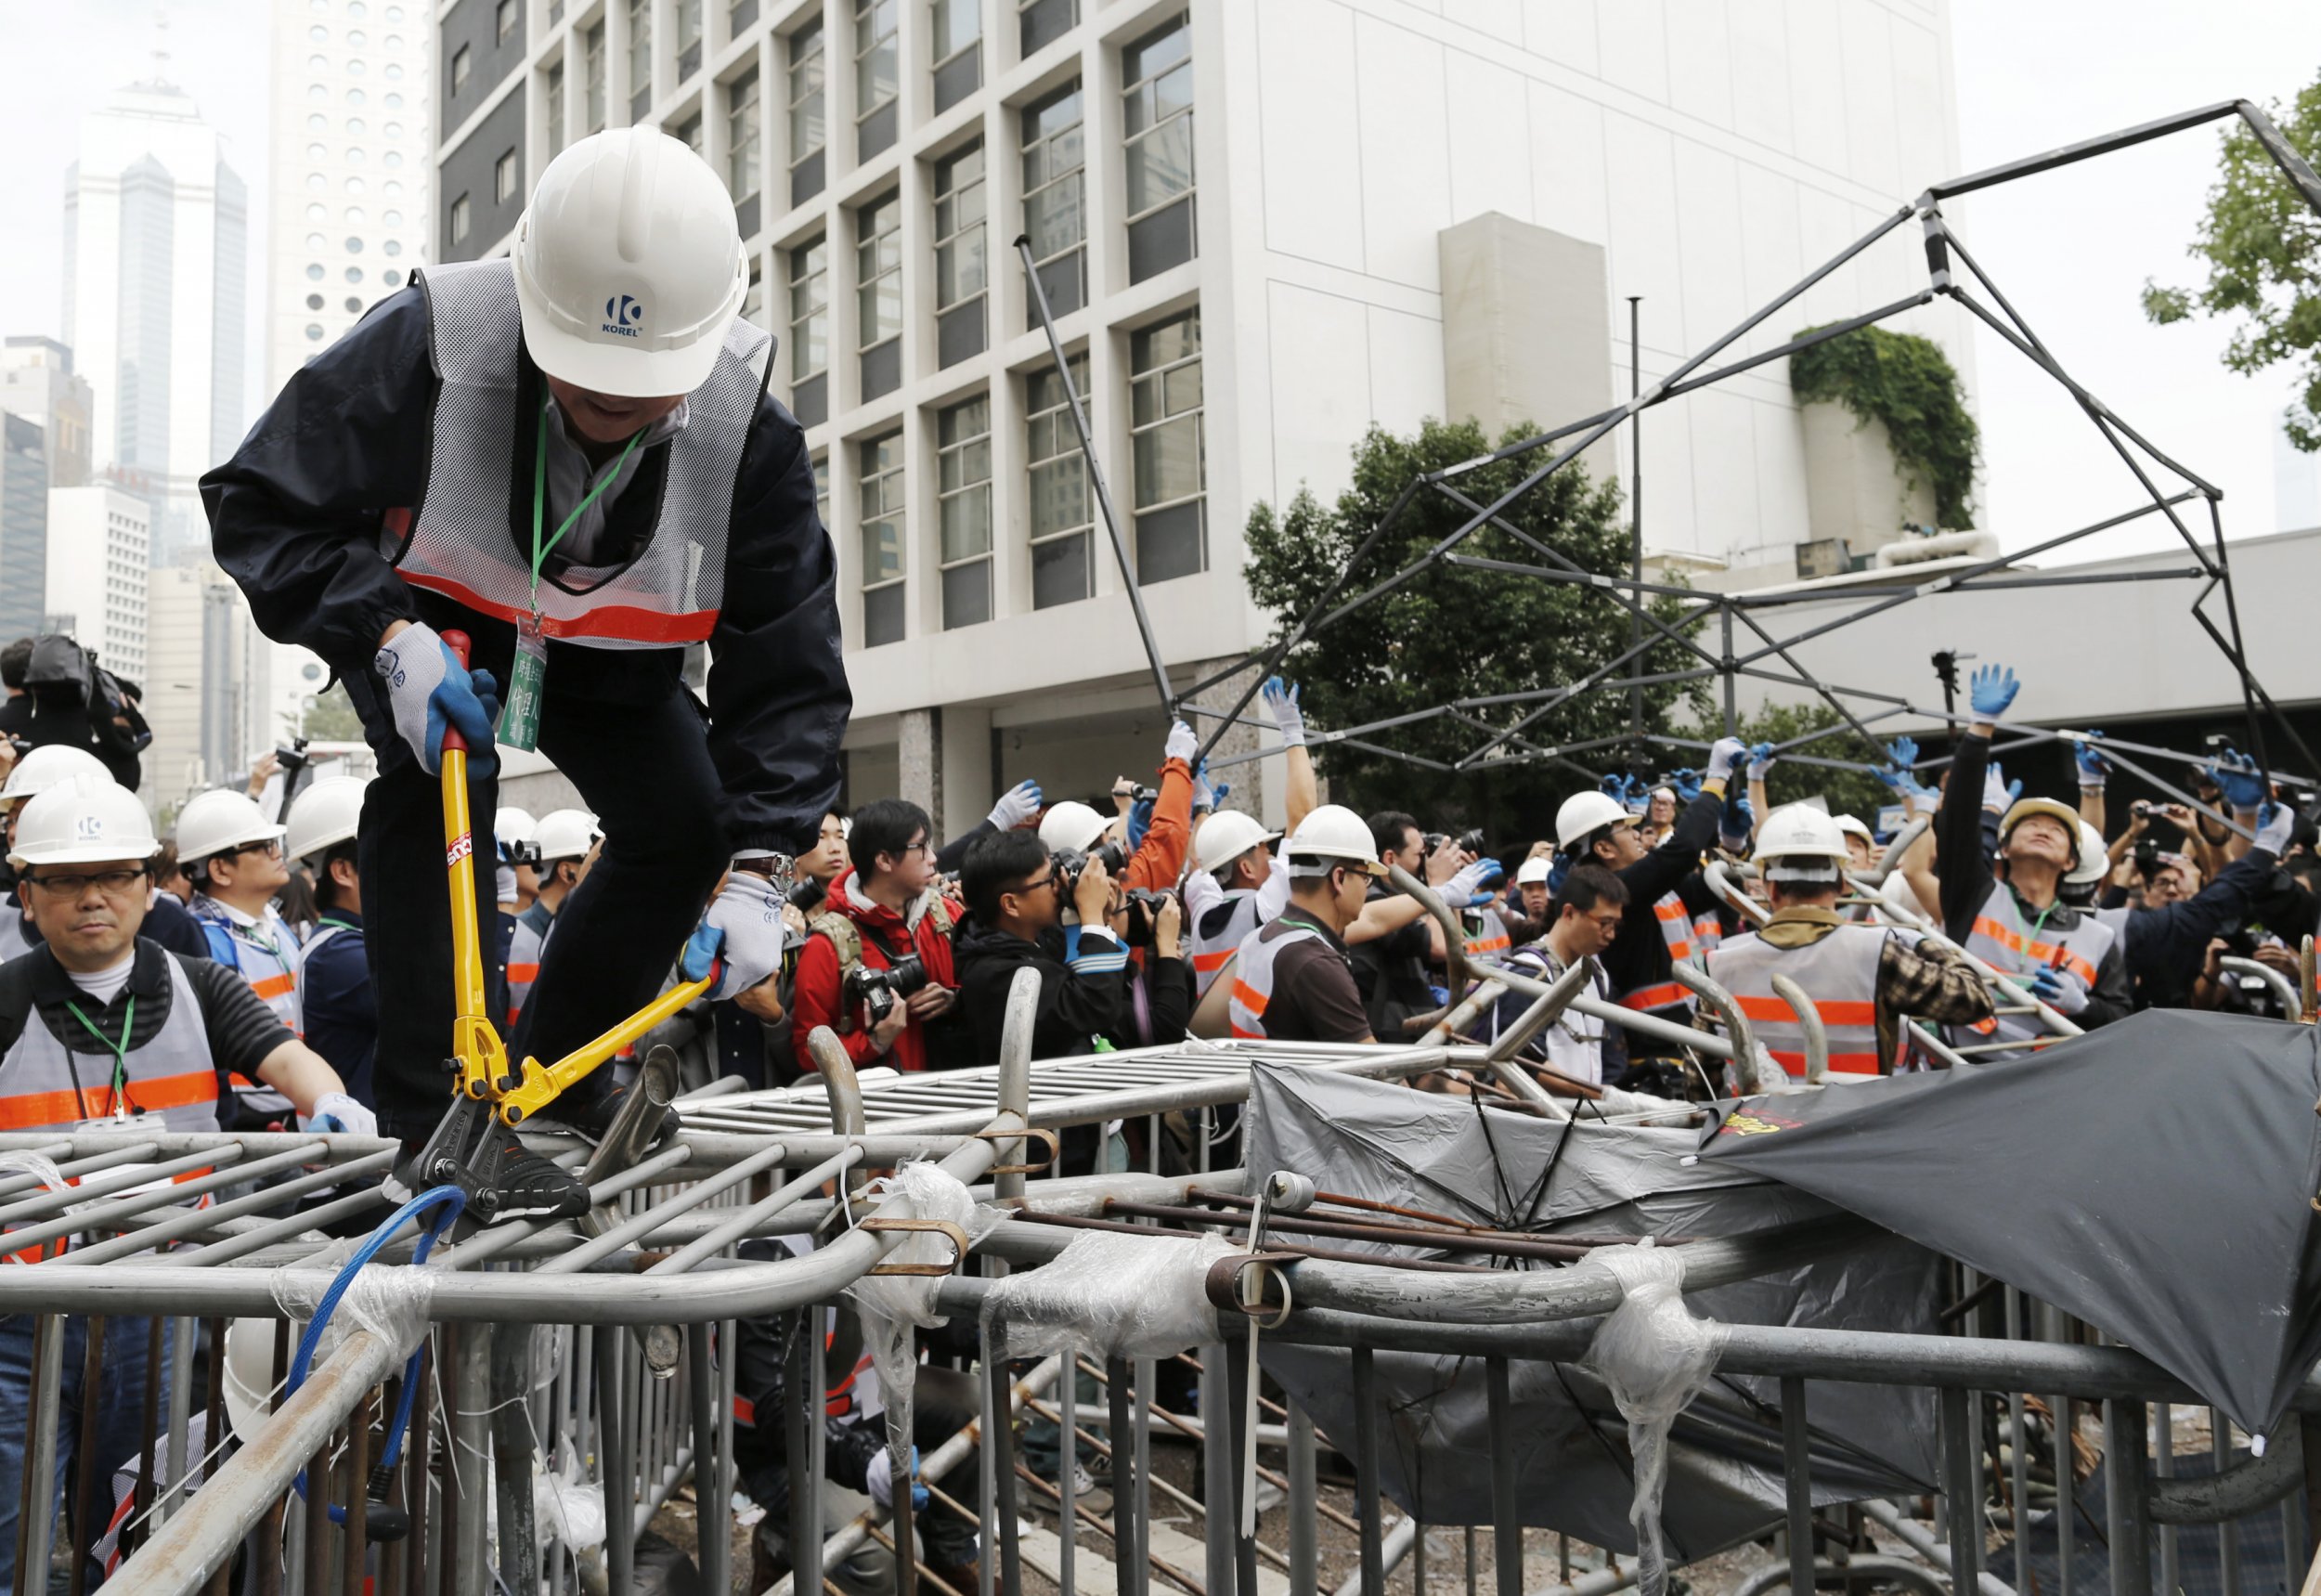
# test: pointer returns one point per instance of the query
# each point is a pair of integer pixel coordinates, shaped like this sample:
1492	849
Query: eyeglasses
111	883
1050	879
271	849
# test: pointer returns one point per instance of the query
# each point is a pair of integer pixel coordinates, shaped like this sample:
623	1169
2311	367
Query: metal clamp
1027	1133
1223	1285
938	1226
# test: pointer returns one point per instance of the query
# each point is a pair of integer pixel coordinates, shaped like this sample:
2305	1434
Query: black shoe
592	1119
529	1187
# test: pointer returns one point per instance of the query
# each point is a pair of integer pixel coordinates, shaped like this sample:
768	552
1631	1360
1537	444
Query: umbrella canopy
2156	1179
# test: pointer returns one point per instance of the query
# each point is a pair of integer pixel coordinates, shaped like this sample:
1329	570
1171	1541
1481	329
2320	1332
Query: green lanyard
119	1051
539	502
2030	932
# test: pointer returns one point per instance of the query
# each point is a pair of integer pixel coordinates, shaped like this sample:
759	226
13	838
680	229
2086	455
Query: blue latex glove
430	693
878	1482
1281	703
2059	989
2094	770
1687	784
2237	780
1760	762
1615	787
1139	821
1991	689
1739	824
1903	784
1903	751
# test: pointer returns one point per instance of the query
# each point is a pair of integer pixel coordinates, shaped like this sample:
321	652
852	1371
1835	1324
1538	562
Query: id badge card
520	722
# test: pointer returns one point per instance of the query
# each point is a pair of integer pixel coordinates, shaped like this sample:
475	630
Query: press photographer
875	968
58	694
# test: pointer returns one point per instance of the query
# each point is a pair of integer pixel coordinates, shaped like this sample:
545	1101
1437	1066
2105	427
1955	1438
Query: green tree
1457	633
1906	383
2263	245
330	716
1855	793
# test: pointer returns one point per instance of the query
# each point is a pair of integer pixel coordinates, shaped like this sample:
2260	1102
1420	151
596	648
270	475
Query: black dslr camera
1070	863
1469	842
1144	915
876	990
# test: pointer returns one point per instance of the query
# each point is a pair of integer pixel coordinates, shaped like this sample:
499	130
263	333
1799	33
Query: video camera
876	990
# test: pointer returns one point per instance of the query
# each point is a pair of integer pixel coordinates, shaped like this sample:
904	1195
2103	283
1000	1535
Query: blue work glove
1181	744
1281	702
337	1111
1489	873
739	940
1903	784
1903	751
2237	780
1687	784
1615	787
2094	770
430	693
878	1482
1738	827
2276	822
1019	805
1139	821
1760	762
1998	793
1991	691
1724	755
2059	989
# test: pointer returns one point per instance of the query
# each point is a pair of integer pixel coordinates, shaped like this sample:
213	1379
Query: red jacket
816	997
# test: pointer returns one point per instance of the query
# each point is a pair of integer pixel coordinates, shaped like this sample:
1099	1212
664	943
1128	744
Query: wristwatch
778	868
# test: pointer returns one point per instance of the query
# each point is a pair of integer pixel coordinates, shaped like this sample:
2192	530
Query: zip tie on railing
390	1303
1655	1357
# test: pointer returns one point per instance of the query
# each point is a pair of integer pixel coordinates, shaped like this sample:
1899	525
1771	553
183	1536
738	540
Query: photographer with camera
876	966
58	695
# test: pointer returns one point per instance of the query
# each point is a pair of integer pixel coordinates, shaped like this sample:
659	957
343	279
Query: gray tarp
1386	1142
2155	1178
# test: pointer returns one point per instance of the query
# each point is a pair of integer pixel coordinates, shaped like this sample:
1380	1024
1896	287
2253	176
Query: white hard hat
629	265
513	824
2094	859
566	834
249	1383
218	820
1586	812
326	814
1226	836
1854	826
47	766
1534	869
82	822
1070	827
2063	814
1798	832
1331	836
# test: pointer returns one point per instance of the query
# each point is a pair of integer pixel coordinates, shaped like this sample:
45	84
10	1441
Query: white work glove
1998	793
1467	883
1282	701
2276	822
337	1111
878	1482
432	692
1760	762
1016	806
1181	744
1723	756
744	929
2059	989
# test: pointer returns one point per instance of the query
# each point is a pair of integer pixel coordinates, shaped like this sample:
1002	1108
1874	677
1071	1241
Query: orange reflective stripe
275	985
1672	908
525	973
1204	962
1833	1013
27	1111
1248	1035
744	1410
1249	997
2037	952
1490	945
1653	997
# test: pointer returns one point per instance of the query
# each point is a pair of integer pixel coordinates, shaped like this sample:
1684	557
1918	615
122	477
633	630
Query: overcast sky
2071	249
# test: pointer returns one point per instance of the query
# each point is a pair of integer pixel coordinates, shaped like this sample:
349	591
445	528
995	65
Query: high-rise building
348	167
23	527
37	382
156	260
207	683
98	569
1261	228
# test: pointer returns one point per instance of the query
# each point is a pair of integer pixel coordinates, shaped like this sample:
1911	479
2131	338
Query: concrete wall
1526	316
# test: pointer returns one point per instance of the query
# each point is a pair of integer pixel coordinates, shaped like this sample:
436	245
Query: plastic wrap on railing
1109	1294
1655	1357
1617	1103
389	1300
892	1306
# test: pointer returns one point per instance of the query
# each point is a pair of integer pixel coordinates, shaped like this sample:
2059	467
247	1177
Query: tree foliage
1457	632
2263	245
1907	383
330	718
1857	793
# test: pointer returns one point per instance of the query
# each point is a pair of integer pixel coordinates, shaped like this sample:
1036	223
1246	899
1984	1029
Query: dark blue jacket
295	517
341	1017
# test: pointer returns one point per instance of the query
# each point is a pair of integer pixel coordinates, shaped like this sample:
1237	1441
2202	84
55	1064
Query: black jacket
296	519
1078	1002
1638	955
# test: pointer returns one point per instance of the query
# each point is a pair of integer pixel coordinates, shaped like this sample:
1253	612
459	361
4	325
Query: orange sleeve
1161	857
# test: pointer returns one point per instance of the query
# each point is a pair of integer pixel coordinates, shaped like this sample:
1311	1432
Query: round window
314	301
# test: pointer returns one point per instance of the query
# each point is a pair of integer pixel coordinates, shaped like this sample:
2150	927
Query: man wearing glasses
883	910
233	855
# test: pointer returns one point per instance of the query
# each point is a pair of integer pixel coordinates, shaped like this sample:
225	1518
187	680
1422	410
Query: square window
460	67
462	219
504	177
506	20
1167	449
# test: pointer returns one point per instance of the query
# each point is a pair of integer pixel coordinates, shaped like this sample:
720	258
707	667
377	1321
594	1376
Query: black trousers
640	762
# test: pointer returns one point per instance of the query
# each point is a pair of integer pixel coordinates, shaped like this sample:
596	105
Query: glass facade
1166	444
962	506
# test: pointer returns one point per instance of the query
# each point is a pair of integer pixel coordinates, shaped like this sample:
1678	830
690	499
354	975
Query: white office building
100	569
348	163
1262	228
156	253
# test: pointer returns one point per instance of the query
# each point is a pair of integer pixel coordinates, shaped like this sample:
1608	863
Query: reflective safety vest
171	1082
1253	976
2072	942
523	957
461	545
1212	954
14	940
265	955
1676	929
1839	973
1486	935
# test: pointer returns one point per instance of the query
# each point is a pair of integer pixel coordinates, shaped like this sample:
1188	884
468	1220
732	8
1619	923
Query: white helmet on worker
1070	827
2094	859
1801	843
83	821
1853	825
1226	836
1329	838
566	834
220	821
1584	814
629	265
2063	814
517	834
45	767
1532	872
326	814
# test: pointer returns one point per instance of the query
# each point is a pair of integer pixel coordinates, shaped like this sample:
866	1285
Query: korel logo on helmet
624	313
89	828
